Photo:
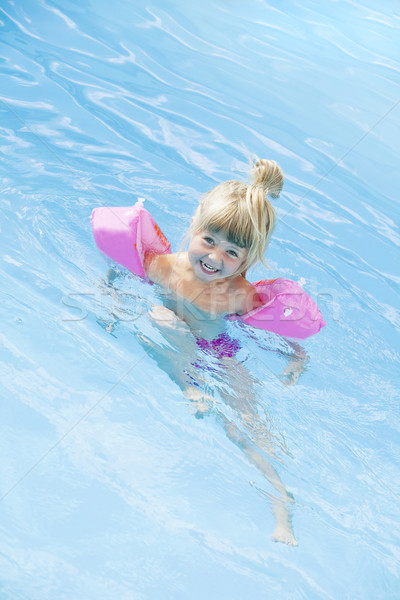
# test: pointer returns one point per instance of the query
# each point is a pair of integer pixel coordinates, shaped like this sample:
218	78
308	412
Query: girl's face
212	257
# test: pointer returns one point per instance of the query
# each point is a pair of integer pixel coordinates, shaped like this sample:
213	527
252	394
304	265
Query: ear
191	221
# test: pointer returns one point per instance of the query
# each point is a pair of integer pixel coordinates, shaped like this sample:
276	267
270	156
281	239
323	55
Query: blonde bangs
223	209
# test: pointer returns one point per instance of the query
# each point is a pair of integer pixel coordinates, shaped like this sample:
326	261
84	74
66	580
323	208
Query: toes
284	536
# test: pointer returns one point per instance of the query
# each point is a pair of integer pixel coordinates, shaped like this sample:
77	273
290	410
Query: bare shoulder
158	267
246	296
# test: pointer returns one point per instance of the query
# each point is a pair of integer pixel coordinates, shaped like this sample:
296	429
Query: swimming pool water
110	486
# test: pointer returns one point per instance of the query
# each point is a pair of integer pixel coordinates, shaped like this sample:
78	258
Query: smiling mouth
208	268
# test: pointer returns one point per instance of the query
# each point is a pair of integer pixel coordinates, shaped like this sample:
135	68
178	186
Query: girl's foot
285	535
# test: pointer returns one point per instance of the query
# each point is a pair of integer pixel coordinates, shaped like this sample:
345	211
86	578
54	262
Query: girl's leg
283	531
253	436
178	360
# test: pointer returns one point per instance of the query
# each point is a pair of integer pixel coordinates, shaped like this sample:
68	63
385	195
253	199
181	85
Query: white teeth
206	266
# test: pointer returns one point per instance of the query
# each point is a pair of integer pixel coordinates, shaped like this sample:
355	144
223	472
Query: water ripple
106	463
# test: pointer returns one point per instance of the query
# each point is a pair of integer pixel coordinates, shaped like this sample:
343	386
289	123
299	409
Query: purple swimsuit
220	347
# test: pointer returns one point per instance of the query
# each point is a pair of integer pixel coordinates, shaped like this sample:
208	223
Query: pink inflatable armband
287	309
125	234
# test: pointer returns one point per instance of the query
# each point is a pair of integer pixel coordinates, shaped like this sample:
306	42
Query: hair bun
268	174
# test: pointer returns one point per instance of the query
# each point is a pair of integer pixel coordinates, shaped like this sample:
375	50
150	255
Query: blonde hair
242	211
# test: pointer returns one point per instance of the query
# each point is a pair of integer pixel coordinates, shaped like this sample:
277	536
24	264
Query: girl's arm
247	297
157	267
297	364
149	264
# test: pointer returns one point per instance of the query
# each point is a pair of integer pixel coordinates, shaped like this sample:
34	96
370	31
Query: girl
229	233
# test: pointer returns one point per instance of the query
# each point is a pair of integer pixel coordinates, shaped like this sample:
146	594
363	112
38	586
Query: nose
216	255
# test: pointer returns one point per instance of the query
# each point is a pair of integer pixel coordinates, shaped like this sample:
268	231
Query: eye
209	240
233	253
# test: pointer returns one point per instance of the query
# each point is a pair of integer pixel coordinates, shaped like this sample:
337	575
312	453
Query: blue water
111	487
